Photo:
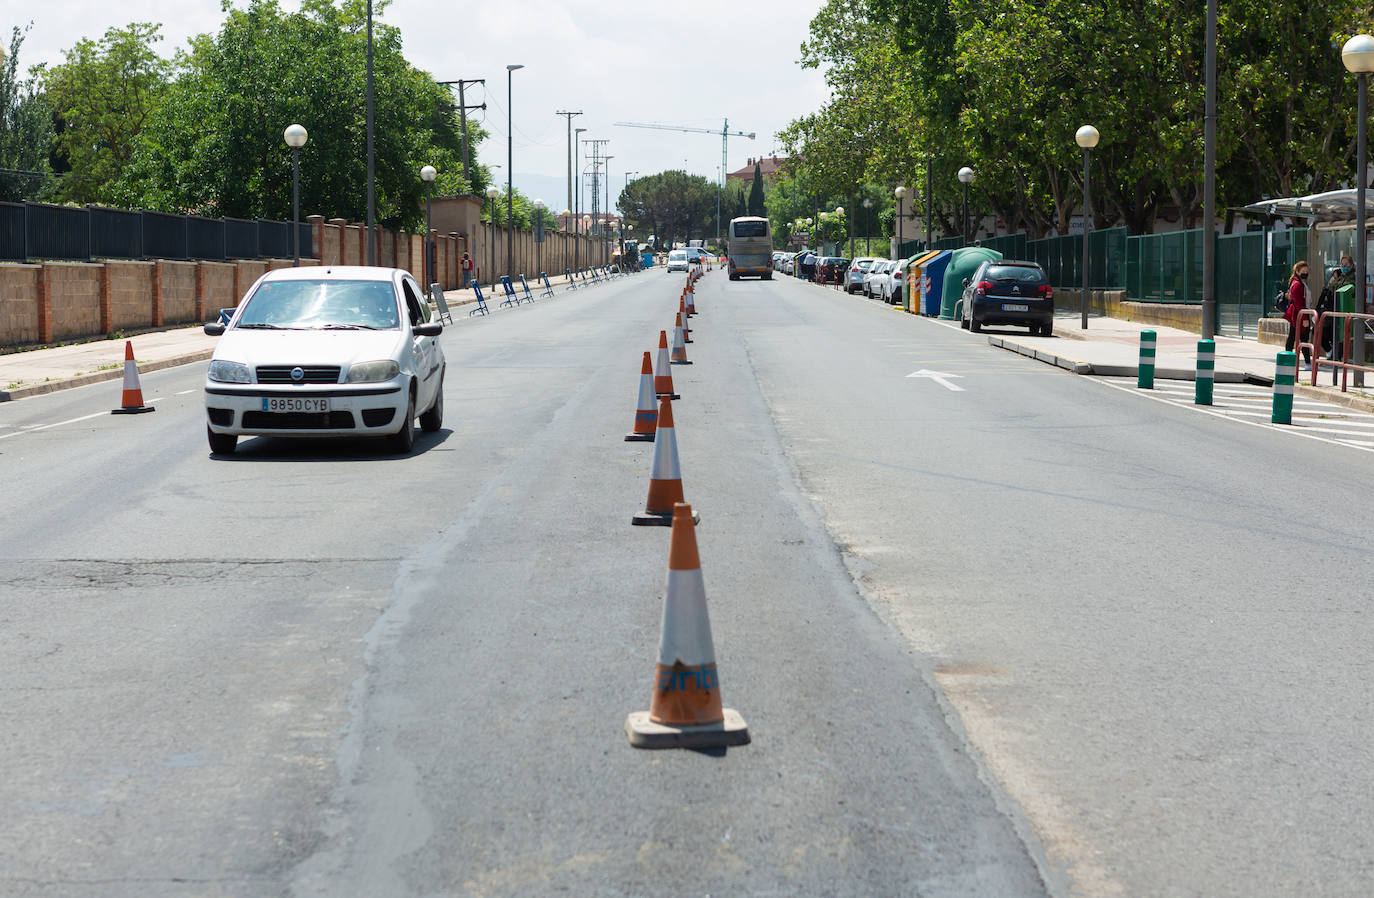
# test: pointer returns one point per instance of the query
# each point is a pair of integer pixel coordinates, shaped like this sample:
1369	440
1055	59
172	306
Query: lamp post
1209	175
1358	58
295	137
371	156
567	220
510	173
965	177
538	233
577	200
606	222
1087	137
492	194
427	174
899	192
868	226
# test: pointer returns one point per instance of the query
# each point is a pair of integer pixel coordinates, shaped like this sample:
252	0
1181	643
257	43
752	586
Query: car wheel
433	419
963	322
1047	330
768	275
403	440
221	443
975	325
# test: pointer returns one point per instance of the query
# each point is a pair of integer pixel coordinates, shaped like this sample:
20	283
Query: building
768	168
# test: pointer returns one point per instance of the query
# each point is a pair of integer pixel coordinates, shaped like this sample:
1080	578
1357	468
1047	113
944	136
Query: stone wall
174	294
19	303
69	300
127	296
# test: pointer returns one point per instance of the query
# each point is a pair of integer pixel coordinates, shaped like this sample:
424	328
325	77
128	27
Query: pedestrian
1299	299
467	269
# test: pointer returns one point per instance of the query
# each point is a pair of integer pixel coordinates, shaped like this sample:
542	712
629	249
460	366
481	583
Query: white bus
749	247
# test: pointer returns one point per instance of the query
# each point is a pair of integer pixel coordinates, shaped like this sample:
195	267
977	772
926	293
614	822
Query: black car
831	270
1009	292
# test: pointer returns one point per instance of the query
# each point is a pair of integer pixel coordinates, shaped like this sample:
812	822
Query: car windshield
308	305
1024	274
677	254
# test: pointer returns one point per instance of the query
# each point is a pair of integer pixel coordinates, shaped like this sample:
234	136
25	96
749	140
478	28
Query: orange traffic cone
665	477
690	302
646	415
686	710
679	346
663	372
682	313
132	402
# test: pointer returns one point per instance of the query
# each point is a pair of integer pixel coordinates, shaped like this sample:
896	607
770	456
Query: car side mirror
214	329
966	282
433	329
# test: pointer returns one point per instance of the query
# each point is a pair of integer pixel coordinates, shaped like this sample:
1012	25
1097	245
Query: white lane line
34	428
184	392
1302	432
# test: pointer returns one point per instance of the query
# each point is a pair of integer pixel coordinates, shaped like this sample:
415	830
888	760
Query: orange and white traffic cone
665	477
646	415
686	710
132	401
679	346
663	370
682	313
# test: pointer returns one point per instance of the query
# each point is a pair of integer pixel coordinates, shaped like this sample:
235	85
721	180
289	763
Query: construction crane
725	135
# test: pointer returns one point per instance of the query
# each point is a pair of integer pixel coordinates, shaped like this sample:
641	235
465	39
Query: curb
52	386
1080	367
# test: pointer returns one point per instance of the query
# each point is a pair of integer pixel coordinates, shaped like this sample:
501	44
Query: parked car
777	260
344	351
1008	292
894	282
875	272
677	260
831	269
789	263
856	273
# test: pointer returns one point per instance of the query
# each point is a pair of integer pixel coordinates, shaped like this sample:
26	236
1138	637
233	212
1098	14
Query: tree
669	204
214	146
102	96
25	130
756	205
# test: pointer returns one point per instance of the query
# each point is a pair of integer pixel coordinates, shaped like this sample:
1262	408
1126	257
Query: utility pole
462	110
596	184
569	117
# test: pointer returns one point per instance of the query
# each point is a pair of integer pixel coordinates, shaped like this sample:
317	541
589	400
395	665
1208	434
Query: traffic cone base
644	733
131	402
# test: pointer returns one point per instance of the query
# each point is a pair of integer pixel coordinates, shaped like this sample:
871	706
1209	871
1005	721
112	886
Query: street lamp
606	222
295	137
1358	57
492	194
577	200
567	220
899	192
868	226
538	233
427	174
1087	137
371	155
966	177
510	172
839	210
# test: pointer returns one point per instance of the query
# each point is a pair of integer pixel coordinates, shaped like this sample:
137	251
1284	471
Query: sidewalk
37	371
1110	347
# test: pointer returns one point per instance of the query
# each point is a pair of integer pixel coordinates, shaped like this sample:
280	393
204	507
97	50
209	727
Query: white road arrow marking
940	378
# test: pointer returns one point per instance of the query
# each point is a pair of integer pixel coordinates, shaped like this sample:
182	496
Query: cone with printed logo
646	414
679	346
686	709
132	401
663	370
665	477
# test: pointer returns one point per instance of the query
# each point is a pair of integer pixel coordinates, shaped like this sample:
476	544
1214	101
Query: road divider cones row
132	401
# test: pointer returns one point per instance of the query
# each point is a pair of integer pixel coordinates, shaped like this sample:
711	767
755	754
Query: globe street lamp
427	174
492	194
899	192
295	137
1358	57
1087	137
839	210
538	235
510	172
966	177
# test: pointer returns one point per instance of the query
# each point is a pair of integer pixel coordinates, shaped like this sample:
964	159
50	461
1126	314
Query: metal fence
39	231
1061	257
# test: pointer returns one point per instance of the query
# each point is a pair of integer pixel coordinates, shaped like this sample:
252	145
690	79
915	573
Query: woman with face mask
1299	298
1343	275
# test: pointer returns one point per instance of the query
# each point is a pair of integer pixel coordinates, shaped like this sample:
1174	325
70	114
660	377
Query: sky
694	66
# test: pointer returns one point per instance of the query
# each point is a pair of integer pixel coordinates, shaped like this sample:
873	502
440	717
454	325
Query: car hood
312	347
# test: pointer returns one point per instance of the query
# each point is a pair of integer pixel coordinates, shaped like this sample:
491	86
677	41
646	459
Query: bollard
1145	374
1206	372
1285	372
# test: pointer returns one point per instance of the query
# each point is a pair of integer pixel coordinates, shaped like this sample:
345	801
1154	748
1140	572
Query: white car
326	352
892	282
873	277
677	260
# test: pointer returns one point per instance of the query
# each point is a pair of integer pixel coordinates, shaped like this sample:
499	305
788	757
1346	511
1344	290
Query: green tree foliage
102	95
25	130
671	205
756	204
1002	86
215	147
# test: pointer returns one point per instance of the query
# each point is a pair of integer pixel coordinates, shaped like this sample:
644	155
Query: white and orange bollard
686	709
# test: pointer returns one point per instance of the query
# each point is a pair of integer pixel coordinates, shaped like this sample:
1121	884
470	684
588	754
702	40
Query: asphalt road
1031	635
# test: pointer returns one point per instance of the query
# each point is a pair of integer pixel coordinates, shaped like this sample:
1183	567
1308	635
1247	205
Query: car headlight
373	372
229	372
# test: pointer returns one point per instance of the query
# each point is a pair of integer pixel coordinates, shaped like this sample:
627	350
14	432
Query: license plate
1014	307
294	405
